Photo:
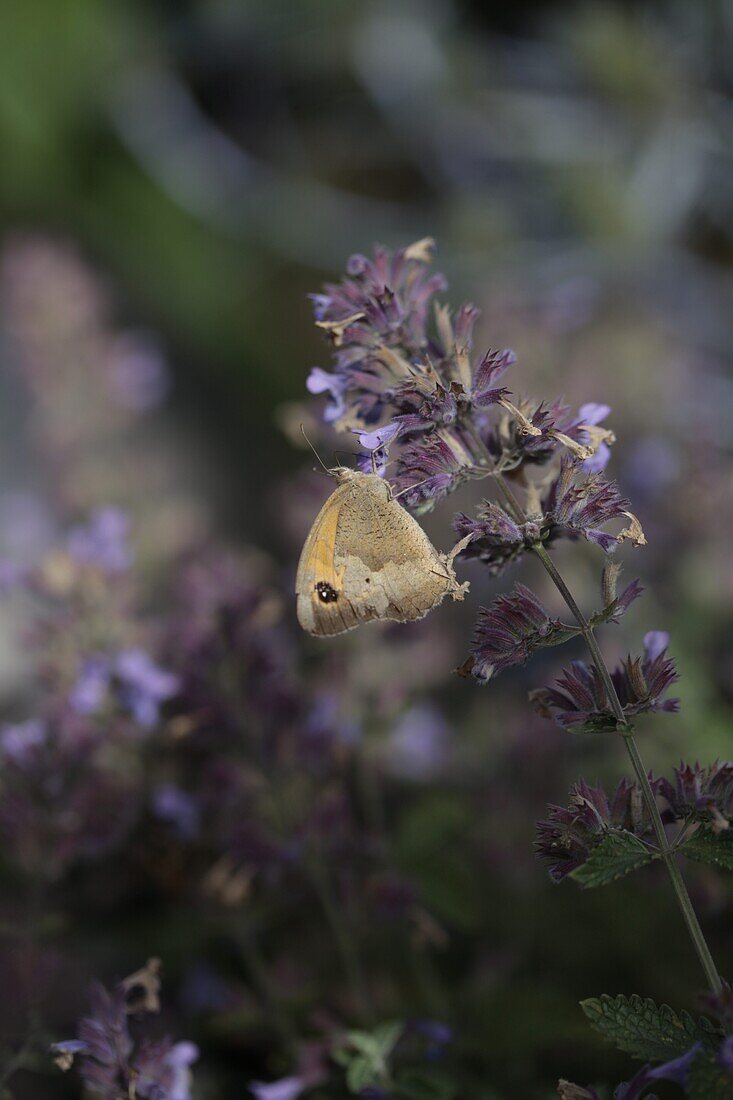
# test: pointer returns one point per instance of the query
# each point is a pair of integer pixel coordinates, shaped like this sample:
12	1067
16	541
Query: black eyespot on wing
326	593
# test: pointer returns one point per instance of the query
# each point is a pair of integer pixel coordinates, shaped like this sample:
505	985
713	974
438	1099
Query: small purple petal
91	687
597	462
593	413
655	643
19	743
381	437
103	541
178	808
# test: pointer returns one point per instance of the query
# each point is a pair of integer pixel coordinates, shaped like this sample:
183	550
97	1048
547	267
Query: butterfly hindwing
367	558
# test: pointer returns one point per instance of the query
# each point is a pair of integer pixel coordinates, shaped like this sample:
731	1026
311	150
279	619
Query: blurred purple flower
89	692
138	373
178	808
418	744
653	464
102	541
286	1088
131	679
143	686
21	743
725	1054
59	801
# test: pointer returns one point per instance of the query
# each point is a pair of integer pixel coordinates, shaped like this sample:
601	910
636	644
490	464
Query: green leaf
365	1055
708	1080
618	854
558	634
360	1074
709	847
644	1029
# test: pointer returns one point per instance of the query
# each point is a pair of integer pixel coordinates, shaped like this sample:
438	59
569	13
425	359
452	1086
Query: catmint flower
703	794
497	540
583	507
509	631
579	702
574	506
102	542
111	1063
535	433
569	834
416	389
431	468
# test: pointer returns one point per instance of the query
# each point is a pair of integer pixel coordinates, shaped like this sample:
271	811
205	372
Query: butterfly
367	558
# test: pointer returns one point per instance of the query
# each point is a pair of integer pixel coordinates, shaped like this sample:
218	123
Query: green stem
667	853
342	936
626	730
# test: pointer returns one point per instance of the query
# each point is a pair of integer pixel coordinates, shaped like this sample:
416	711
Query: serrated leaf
705	846
708	1080
360	1074
644	1029
618	854
558	634
386	1036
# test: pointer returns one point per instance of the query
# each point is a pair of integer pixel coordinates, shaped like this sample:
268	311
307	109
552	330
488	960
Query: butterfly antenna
315	452
410	488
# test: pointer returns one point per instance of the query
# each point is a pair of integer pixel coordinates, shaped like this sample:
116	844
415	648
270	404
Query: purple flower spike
497	539
568	835
491	368
428	470
703	794
113	1064
508	632
578	701
582	508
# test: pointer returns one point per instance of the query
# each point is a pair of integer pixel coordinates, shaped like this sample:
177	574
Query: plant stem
342	935
666	852
626	730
